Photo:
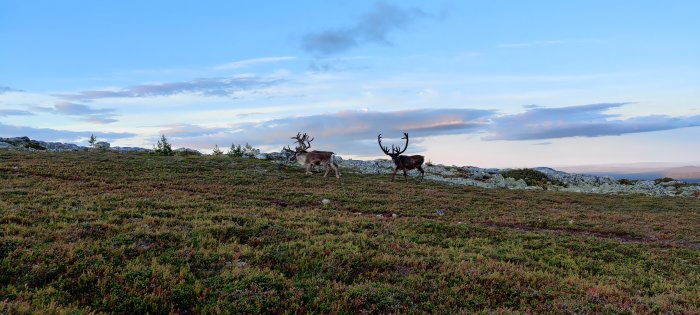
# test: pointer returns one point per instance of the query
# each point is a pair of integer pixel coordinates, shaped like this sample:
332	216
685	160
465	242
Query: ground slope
109	232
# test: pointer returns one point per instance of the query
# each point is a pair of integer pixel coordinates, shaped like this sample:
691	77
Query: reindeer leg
325	166
308	169
396	169
335	168
405	176
422	172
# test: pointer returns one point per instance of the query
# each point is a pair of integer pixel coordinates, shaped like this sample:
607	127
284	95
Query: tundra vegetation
99	232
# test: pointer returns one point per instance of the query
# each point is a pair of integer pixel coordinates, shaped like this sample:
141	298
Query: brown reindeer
308	159
403	162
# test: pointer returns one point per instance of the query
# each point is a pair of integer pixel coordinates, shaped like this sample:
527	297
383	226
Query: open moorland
101	232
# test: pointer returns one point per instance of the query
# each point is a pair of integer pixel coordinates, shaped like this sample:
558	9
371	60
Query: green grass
99	232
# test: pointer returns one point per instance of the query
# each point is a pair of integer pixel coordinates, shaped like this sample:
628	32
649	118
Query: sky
484	83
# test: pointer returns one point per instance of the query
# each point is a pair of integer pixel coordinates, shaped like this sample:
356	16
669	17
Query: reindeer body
325	158
403	162
406	163
309	159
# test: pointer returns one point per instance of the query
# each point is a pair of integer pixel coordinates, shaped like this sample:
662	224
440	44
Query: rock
440	212
24	143
325	201
102	145
261	156
5	145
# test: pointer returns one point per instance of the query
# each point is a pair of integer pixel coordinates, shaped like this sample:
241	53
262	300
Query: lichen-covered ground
94	232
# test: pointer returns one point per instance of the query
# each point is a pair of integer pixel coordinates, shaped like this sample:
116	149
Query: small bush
163	147
92	140
530	176
235	151
626	181
663	180
217	151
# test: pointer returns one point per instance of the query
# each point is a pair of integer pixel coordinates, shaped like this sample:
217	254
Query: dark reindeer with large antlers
403	162
308	159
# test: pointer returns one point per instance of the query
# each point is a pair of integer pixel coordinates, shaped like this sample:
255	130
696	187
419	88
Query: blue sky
488	83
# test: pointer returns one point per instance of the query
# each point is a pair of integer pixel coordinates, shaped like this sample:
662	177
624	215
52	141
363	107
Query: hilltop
98	232
541	178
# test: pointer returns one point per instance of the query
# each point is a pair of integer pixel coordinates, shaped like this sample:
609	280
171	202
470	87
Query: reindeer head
303	144
395	151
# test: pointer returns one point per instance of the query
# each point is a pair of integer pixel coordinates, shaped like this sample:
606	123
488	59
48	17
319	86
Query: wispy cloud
252	62
15	112
580	121
47	134
547	43
83	112
530	44
373	27
227	86
5	89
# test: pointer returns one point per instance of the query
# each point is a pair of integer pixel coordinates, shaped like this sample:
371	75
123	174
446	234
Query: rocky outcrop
558	180
26	144
102	145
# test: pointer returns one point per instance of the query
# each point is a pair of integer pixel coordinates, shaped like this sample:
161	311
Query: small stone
393	215
325	201
440	212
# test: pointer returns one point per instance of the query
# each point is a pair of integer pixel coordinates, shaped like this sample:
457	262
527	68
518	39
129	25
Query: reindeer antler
303	141
394	149
397	150
384	149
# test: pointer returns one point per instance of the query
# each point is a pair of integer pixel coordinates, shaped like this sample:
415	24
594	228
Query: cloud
373	27
226	86
252	62
530	44
344	132
5	89
548	43
14	112
86	113
580	121
47	134
67	108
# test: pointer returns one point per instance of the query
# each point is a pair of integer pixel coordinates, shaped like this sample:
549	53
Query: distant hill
685	172
642	171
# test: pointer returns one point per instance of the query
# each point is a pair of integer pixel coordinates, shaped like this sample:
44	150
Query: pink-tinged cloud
580	121
227	86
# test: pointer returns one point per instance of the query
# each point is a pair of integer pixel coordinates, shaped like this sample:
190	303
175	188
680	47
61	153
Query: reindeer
403	162
308	159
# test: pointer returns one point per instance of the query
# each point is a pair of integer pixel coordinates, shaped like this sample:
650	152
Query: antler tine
399	151
384	148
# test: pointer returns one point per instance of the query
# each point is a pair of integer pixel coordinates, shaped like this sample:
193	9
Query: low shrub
530	176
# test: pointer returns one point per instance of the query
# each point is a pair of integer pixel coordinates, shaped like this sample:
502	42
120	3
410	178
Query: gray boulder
102	145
